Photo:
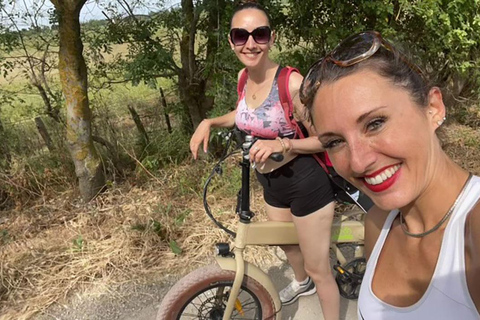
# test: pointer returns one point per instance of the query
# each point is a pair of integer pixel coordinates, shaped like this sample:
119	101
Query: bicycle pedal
344	274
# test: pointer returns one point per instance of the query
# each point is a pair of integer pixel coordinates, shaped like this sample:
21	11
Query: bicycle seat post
245	214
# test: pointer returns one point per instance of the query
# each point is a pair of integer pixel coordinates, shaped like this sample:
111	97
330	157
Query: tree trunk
73	76
190	100
216	11
42	129
190	93
192	82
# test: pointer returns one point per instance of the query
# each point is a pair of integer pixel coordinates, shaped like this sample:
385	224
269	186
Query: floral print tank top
268	121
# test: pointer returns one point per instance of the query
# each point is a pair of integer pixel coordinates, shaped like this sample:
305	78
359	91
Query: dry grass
61	246
54	248
462	143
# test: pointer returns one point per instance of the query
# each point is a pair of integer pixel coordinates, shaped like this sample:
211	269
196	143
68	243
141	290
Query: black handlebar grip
276	157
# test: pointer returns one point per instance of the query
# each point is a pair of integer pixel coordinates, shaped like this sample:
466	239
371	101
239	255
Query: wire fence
27	137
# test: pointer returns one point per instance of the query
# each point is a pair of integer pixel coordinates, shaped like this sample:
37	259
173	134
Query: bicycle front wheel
203	294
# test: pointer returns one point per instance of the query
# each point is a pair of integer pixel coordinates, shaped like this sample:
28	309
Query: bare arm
225	121
202	133
472	247
310	144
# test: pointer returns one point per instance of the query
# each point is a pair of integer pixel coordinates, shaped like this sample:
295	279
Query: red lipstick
385	184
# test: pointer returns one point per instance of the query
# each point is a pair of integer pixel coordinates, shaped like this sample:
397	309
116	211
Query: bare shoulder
473	232
472	246
374	221
295	82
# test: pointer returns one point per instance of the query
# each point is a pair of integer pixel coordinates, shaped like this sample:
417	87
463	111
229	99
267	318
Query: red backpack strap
327	160
287	104
284	94
241	84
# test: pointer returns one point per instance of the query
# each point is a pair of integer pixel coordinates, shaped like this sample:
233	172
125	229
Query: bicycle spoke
211	304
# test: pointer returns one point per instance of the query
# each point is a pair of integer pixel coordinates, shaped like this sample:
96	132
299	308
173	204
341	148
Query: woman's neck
262	72
440	193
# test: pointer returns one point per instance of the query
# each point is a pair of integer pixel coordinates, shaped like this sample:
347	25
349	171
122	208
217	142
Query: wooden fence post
4	150
167	117
44	133
138	123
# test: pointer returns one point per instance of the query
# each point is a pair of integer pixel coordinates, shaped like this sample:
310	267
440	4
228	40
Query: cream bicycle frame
280	233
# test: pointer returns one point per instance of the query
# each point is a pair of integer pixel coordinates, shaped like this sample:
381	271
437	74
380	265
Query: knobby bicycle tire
196	282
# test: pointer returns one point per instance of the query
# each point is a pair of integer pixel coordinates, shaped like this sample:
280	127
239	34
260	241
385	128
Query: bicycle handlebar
250	140
243	203
277	157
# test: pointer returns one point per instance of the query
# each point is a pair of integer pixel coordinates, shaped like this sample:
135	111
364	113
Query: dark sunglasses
240	36
352	50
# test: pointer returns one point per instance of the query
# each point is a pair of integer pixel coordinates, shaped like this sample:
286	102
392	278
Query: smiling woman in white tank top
447	295
377	117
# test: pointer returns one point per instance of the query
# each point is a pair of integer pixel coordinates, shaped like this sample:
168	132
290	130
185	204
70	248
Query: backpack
344	191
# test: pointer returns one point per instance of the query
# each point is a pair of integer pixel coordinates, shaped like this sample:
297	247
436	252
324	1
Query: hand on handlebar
263	149
201	135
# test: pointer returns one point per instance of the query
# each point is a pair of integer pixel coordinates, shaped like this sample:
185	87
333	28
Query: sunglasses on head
352	50
240	36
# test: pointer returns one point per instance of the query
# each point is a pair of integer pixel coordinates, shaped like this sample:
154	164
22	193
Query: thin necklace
445	217
254	95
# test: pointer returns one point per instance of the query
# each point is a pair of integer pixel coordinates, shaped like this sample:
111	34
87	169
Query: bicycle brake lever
277	157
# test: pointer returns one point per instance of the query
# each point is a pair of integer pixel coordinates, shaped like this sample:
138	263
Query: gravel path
140	302
127	302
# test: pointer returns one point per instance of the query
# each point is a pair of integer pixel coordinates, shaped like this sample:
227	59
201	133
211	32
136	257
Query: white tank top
447	295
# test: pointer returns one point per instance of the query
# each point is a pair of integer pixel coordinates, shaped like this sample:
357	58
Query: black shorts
301	185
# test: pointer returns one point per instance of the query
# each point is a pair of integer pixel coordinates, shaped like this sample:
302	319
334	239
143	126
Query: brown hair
390	64
251	4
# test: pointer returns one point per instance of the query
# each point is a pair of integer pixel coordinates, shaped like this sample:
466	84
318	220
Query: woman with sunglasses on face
377	117
297	188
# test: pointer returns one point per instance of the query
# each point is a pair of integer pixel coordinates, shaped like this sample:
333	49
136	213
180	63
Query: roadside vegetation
149	84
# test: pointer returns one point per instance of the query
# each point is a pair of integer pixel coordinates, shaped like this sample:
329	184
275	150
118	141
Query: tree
183	44
73	76
29	51
444	35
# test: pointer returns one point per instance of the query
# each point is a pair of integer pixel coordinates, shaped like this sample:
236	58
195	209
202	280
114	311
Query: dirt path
140	302
127	302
